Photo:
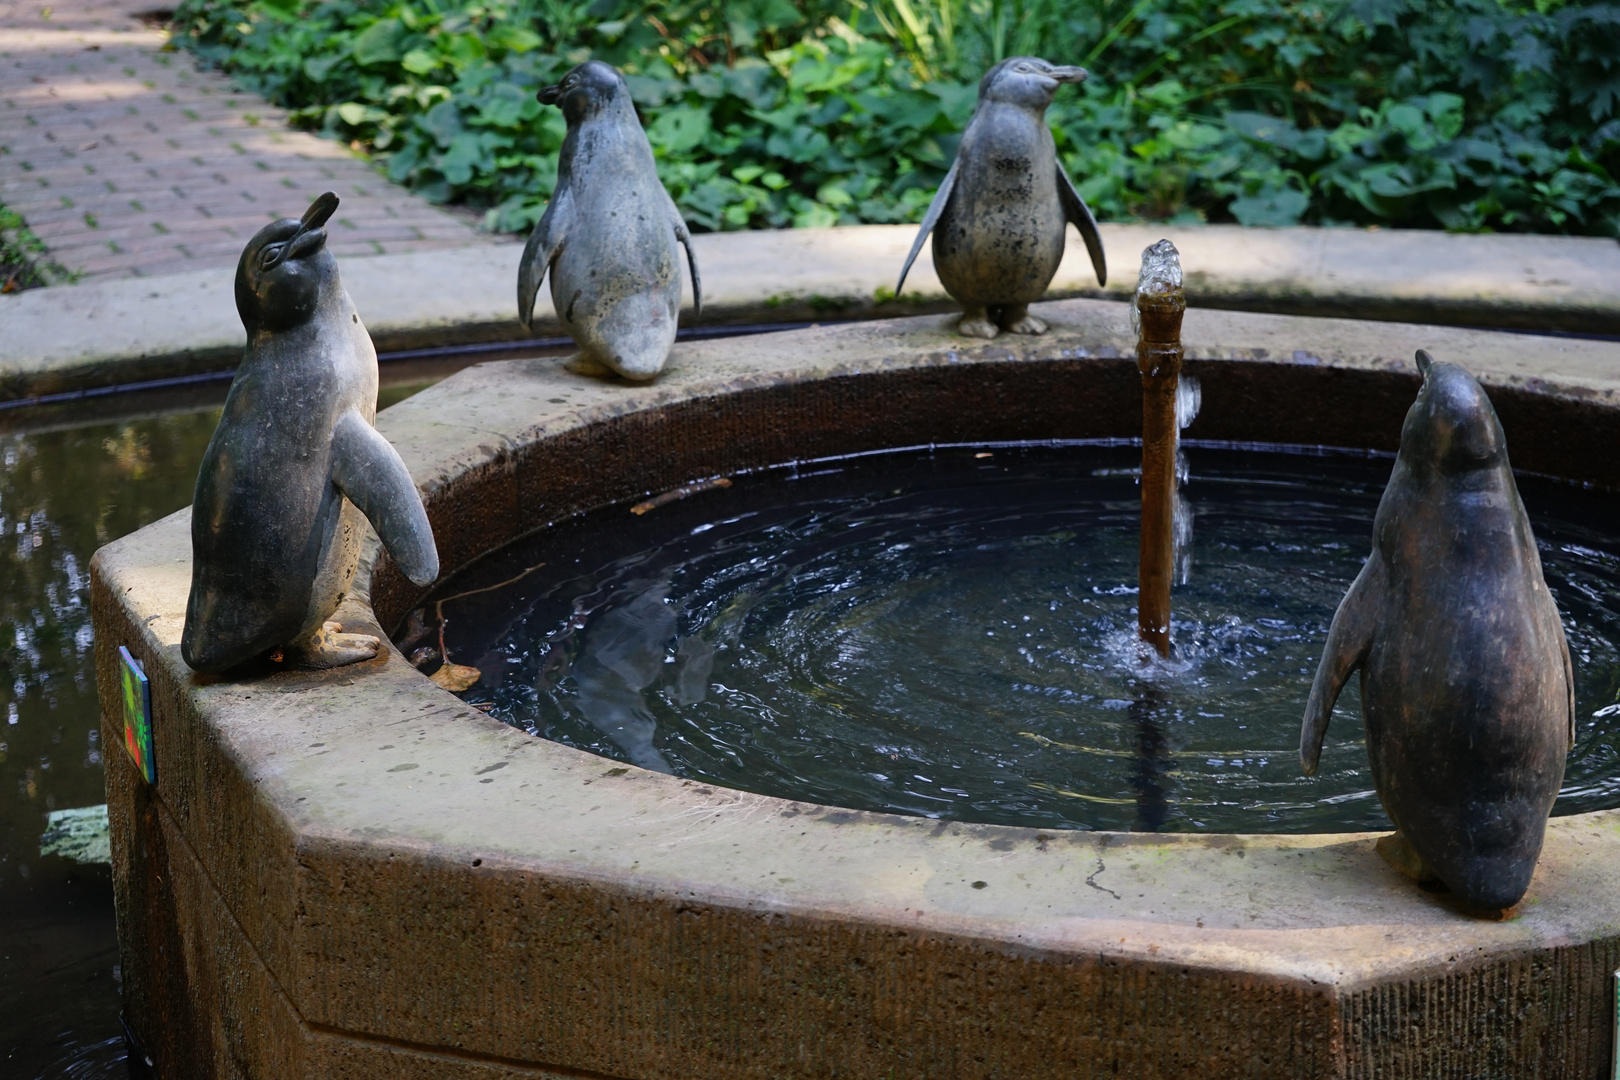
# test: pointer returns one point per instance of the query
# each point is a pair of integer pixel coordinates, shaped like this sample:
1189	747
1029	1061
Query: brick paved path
129	161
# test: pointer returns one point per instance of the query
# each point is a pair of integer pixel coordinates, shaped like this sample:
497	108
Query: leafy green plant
1471	115
24	261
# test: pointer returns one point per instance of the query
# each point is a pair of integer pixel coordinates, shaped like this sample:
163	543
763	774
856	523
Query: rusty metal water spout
1156	314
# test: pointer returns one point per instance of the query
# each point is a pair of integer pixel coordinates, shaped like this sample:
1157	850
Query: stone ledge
83	336
397	890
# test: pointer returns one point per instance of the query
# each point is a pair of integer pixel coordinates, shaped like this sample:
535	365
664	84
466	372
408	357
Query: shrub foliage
1463	114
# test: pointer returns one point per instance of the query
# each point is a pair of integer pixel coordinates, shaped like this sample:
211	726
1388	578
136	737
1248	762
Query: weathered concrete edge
80	337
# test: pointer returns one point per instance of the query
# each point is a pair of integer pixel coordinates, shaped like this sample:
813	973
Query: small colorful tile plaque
137	714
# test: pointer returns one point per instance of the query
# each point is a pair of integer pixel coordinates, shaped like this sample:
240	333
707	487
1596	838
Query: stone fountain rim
1328	913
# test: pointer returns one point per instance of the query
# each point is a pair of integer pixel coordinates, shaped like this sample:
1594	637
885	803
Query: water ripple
945	635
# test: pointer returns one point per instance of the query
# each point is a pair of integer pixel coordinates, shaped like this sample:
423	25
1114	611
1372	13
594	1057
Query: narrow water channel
71	480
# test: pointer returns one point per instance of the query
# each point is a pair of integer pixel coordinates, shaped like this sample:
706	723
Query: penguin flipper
684	235
1076	210
1349	638
1569	674
369	473
935	209
542	248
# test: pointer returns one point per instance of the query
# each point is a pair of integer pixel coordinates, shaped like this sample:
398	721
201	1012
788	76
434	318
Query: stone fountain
354	872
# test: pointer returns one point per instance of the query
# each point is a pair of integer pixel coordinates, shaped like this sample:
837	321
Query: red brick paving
129	161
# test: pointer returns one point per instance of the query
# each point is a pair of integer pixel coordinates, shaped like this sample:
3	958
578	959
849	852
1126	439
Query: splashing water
1161	273
1189	398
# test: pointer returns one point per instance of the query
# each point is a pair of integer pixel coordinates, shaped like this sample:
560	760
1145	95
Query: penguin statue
1466	684
295	468
609	235
999	216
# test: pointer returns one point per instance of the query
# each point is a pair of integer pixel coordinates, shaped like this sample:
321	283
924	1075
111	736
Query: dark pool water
66	488
952	634
62	495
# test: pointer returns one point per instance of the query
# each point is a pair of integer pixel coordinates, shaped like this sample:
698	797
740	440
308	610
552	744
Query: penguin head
1026	81
591	88
284	268
1452	427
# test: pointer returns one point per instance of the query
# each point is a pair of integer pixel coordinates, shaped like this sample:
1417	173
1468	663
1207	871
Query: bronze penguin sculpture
1466	683
999	216
295	468
609	234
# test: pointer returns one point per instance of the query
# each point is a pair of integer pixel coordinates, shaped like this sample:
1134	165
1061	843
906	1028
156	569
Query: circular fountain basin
356	873
952	632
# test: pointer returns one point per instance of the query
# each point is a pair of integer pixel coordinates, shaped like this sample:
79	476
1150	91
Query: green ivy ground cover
1464	115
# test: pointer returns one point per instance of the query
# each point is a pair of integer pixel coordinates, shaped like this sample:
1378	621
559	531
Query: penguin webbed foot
330	647
1016	319
1396	850
976	322
580	364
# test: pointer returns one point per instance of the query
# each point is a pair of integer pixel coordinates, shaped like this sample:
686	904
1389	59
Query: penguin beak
549	95
324	206
1068	74
311	237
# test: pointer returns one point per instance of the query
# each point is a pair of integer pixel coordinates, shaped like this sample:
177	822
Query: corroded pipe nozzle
1156	315
1156	311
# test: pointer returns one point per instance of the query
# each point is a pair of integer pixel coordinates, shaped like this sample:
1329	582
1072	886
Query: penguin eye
268	257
